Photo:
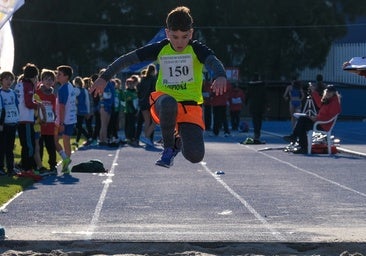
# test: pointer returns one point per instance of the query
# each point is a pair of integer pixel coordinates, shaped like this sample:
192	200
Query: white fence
332	71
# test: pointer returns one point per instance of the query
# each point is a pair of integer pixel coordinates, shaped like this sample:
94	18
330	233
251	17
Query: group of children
56	107
40	117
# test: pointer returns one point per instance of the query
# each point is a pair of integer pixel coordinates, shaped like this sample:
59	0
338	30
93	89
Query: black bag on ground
92	166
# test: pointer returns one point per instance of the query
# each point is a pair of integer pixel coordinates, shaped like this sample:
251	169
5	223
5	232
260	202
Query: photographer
329	106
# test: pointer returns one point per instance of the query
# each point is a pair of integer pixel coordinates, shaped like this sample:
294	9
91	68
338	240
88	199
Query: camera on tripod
309	107
309	90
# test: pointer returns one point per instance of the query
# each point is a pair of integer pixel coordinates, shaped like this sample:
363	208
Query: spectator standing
48	98
90	116
25	90
96	113
256	98
83	108
9	117
66	115
295	96
113	126
39	118
131	109
144	89
106	103
219	108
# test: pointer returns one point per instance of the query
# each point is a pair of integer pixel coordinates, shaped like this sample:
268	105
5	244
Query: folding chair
316	136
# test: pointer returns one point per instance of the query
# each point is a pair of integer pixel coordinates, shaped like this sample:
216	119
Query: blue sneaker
167	158
147	141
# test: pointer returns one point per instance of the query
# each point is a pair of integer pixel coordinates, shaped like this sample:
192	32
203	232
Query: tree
277	38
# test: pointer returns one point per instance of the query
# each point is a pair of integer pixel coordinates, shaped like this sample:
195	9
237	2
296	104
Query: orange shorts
186	113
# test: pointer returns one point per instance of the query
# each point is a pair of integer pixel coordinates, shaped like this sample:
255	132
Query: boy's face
48	81
62	78
179	39
7	82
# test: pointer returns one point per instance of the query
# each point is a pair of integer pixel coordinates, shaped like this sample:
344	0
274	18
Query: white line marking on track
99	206
310	173
274	232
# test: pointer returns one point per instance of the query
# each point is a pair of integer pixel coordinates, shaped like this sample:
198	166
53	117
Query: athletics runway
236	195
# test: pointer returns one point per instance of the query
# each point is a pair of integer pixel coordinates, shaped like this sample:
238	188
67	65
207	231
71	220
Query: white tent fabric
7	9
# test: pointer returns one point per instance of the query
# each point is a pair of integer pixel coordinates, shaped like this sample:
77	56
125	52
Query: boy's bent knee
194	157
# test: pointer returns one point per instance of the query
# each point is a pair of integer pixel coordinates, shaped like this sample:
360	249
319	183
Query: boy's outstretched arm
122	62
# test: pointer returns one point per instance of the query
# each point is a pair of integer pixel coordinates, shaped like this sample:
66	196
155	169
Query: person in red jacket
46	94
329	106
236	101
219	107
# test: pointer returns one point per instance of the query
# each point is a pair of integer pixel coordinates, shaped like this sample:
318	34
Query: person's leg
79	127
104	121
140	121
26	137
216	120
97	125
10	132
257	125
208	116
303	125
167	108
3	149
224	120
89	126
49	142
193	148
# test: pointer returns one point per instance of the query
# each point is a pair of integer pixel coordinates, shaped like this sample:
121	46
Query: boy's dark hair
30	71
6	74
67	70
179	19
78	81
45	73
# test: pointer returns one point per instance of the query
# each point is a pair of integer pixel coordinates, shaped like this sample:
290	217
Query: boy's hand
98	87
219	85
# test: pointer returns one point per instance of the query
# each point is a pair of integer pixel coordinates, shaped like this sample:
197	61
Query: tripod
309	107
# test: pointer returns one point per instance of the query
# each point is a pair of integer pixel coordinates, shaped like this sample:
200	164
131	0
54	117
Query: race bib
107	95
236	100
176	69
50	116
12	115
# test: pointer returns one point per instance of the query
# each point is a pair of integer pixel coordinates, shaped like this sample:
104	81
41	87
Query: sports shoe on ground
247	141
52	171
42	170
289	138
65	165
257	141
300	151
30	174
167	158
147	141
